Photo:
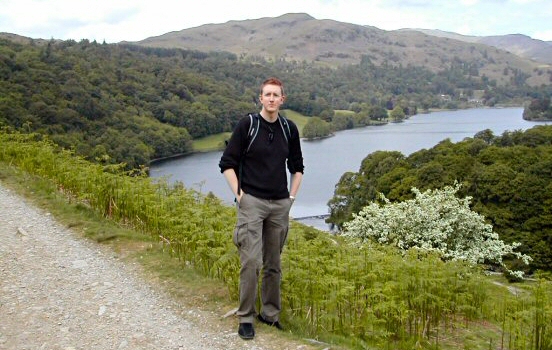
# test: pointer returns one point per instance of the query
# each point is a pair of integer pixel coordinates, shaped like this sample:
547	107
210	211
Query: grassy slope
188	288
211	142
299	119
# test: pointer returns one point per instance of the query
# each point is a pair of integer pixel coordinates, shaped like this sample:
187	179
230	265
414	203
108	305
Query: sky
113	21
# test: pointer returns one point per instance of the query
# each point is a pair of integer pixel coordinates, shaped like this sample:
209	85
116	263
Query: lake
327	159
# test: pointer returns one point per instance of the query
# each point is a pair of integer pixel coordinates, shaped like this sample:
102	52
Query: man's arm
296	179
232	180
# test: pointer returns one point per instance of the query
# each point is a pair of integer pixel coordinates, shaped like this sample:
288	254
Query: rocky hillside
301	37
519	44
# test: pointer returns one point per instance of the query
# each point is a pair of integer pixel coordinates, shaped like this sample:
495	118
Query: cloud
544	35
59	18
132	20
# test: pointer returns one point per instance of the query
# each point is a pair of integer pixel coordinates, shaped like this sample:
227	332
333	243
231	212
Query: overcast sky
134	20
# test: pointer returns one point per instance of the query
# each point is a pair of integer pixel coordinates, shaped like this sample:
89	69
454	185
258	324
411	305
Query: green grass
299	119
344	112
211	142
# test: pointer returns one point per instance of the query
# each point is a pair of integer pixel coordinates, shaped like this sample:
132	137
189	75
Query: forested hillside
112	102
125	103
508	176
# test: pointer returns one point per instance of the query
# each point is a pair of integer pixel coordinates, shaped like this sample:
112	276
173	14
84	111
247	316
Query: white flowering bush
437	221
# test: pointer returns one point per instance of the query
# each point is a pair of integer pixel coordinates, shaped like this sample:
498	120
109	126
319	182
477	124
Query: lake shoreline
431	110
326	160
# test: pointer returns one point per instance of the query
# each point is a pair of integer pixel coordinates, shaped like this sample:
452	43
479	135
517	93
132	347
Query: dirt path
59	291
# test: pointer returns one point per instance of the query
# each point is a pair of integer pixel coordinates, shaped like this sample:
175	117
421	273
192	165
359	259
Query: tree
341	203
378	113
397	114
437	221
538	109
342	122
485	135
316	128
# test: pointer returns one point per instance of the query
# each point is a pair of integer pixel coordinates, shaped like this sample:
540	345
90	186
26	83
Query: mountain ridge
519	44
300	37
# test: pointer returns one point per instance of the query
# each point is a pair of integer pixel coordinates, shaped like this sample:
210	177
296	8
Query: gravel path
59	291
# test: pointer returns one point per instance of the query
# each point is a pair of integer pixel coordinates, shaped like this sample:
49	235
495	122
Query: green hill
125	103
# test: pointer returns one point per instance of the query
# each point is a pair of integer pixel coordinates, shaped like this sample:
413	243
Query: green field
211	142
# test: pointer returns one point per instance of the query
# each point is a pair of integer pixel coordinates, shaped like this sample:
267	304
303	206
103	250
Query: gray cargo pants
260	235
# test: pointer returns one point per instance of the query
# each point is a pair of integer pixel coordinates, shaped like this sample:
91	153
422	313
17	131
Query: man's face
271	98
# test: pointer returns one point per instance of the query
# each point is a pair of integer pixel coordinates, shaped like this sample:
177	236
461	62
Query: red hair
273	81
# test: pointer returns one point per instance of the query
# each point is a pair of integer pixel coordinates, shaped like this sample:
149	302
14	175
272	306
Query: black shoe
272	324
246	331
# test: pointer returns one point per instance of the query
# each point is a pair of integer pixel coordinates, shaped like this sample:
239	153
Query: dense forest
122	103
509	178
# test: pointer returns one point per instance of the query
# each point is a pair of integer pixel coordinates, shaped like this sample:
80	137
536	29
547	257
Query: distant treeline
122	103
508	176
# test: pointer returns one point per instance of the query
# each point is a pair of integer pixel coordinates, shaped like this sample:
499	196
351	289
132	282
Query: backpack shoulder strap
254	124
285	127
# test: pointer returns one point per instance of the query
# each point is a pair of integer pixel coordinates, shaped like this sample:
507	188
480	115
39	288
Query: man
255	168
